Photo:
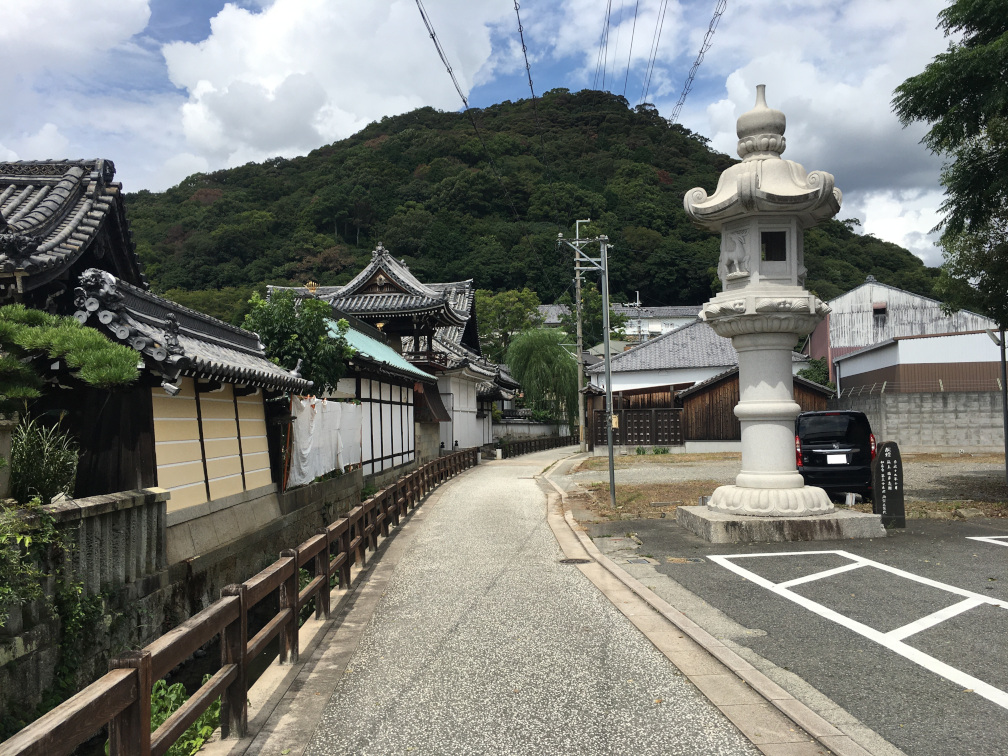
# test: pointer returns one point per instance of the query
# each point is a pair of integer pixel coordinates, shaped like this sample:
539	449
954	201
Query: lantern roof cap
764	183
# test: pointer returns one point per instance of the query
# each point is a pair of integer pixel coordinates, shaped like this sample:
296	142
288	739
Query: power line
633	31
603	48
472	120
704	47
535	110
652	58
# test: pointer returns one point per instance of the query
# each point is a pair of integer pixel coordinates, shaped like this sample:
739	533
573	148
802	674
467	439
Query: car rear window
817	428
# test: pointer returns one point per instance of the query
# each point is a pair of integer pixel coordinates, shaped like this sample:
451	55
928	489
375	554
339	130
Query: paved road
484	643
848	635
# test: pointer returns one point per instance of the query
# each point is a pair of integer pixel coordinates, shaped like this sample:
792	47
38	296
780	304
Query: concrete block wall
933	421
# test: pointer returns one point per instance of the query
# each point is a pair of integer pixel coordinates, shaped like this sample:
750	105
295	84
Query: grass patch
638	502
622	462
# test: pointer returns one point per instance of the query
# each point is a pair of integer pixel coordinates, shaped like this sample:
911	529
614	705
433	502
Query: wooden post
344	547
289	647
129	731
322	567
234	648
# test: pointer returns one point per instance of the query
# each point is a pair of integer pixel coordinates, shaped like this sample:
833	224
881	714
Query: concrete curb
815	725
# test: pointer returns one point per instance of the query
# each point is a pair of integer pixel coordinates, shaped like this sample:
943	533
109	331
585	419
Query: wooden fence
122	698
514	448
642	427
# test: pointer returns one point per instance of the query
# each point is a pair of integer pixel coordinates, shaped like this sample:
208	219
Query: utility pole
580	340
600	264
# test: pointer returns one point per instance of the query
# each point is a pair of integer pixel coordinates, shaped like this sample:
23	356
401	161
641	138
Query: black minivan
834	451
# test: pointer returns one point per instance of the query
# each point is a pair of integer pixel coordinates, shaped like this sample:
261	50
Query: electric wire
600	61
652	58
472	120
633	31
704	47
535	111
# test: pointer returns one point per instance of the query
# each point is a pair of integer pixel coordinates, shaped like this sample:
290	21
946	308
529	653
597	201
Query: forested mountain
486	203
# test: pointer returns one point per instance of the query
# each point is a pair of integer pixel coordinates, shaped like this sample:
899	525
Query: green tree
817	371
547	373
503	316
32	340
963	95
591	317
301	331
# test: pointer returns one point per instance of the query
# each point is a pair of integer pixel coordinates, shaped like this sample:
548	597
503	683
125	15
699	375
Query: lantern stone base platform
793	501
720	527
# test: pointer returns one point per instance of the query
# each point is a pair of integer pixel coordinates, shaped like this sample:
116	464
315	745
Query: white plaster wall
971	347
876	359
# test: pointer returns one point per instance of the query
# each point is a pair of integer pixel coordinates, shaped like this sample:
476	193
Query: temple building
433	326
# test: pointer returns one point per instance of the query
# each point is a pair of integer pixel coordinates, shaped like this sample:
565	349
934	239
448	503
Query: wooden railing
122	698
514	448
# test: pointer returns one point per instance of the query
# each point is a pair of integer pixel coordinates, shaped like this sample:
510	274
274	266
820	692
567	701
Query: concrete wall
933	421
522	429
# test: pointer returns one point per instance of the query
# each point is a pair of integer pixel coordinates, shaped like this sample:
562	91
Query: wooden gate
642	427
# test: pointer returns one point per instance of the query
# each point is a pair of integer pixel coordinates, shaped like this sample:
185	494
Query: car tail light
797	450
871	442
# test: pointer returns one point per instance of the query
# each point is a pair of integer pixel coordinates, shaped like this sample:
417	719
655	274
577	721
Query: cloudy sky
166	88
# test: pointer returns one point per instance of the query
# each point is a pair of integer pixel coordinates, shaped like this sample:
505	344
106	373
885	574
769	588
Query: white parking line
892	640
996	540
934	619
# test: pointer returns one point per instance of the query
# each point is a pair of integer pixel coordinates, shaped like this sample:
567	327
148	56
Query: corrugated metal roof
854	322
381	354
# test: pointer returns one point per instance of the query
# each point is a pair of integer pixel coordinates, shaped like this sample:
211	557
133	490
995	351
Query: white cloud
303	72
902	217
63	37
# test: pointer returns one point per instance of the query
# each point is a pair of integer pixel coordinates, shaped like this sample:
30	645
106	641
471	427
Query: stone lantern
762	207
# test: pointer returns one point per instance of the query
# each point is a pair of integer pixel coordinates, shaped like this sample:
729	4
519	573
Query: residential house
648	379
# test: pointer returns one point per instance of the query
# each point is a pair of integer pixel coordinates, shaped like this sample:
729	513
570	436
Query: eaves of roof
52	211
176	340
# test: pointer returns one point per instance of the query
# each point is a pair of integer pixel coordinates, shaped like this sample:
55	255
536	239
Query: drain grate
684	560
575	560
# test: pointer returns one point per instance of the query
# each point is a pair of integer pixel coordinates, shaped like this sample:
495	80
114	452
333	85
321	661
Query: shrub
641	450
43	461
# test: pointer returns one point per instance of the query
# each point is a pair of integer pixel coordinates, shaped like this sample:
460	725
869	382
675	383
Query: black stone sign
887	486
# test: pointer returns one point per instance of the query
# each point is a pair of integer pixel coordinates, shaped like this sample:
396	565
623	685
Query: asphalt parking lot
908	634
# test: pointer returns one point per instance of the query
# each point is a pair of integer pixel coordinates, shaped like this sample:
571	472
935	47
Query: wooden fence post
289	646
323	567
234	649
129	731
344	547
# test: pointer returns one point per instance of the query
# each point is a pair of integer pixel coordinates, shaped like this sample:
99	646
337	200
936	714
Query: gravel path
483	643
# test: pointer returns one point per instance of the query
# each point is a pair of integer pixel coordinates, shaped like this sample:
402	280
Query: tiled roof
698	387
551	313
693	345
405	296
672	311
53	211
176	340
374	352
